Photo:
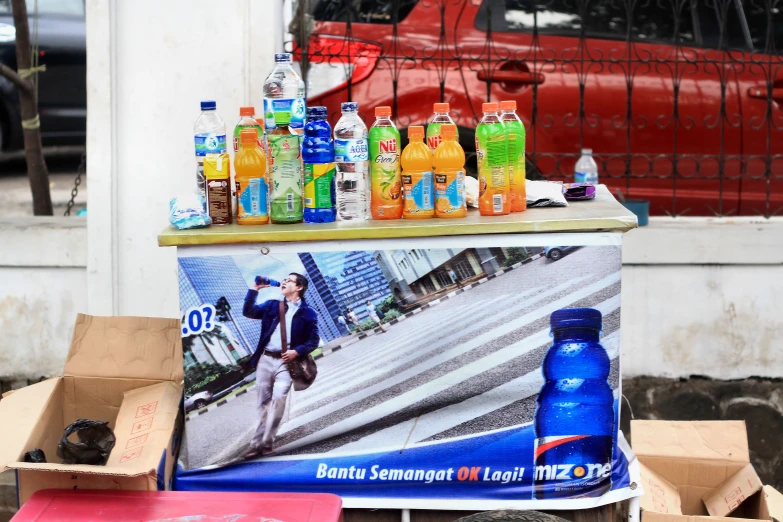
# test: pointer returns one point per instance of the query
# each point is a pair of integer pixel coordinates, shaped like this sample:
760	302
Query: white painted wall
149	65
43	277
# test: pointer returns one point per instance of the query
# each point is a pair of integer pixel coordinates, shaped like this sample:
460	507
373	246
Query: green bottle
385	179
440	116
247	120
492	159
515	134
285	161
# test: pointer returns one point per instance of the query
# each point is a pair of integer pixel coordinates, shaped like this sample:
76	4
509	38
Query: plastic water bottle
318	158
352	155
575	421
286	87
586	170
209	136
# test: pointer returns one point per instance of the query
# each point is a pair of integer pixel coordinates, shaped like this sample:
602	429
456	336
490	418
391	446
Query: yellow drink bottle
450	176
251	182
417	179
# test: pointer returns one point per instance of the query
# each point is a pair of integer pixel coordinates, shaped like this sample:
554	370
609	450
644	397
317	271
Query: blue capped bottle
319	169
575	420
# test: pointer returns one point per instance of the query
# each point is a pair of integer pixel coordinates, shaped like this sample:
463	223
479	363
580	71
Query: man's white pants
273	383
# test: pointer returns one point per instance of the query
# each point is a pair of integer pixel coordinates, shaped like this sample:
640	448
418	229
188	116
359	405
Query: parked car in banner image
712	149
557	252
197	400
62	87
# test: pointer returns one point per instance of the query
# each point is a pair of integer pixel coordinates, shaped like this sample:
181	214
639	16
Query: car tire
555	254
199	404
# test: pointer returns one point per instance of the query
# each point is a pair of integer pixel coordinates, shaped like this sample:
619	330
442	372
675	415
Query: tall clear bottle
286	88
351	154
209	136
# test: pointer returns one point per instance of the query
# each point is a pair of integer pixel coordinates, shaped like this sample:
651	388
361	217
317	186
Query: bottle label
450	192
571	465
385	172
286	177
319	185
419	192
210	144
294	106
252	198
433	136
351	150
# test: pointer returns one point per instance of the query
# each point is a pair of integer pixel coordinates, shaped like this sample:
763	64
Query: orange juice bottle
450	175
250	179
417	183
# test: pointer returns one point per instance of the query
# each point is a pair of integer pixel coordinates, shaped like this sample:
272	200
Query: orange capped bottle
450	175
515	136
250	179
417	180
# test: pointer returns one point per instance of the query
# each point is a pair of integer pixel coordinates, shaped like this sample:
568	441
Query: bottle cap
575	318
587	152
440	107
415	131
383	111
208	105
349	107
317	112
508	105
283	58
448	130
489	107
247	111
248	135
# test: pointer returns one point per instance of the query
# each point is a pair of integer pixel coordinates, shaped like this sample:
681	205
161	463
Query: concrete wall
43	277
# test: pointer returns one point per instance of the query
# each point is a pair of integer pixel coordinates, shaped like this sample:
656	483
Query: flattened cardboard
660	495
126	347
732	492
722	441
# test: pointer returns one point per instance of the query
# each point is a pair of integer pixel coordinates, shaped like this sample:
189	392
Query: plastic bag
96	441
35	455
545	194
471	191
187	211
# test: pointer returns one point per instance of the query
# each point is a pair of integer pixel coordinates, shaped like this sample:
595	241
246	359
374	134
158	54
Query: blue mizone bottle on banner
319	169
286	88
575	421
263	280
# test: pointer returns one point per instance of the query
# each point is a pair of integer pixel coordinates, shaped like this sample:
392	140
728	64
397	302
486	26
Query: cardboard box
708	465
125	370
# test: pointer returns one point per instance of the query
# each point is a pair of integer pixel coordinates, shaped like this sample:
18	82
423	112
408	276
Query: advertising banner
452	373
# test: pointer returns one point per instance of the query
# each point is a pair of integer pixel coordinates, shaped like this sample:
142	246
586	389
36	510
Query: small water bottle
209	136
586	170
352	155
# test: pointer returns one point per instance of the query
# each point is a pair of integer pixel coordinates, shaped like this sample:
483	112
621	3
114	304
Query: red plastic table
65	505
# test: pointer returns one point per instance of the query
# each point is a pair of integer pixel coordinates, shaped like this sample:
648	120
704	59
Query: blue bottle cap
317	112
208	105
576	318
349	107
282	58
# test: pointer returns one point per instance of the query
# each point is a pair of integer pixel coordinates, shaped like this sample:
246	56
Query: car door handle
524	78
761	93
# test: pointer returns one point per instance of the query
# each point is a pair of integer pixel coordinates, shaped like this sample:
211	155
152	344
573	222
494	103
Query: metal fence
679	99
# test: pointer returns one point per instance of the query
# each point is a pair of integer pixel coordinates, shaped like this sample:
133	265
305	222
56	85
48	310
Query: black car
62	89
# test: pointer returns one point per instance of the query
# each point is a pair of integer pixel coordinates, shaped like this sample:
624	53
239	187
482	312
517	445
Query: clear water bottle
209	136
586	170
286	87
352	155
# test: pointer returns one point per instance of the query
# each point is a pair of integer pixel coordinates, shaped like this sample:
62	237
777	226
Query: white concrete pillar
149	64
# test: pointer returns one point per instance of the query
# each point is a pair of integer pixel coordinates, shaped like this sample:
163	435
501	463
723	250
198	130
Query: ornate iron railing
680	100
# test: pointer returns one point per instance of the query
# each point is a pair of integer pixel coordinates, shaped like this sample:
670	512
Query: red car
690	120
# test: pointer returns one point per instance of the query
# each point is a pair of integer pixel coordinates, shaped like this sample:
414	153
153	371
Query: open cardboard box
699	470
125	370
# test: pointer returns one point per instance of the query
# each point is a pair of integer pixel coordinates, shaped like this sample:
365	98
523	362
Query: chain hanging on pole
76	182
